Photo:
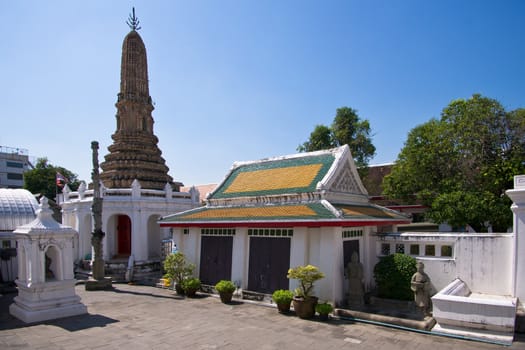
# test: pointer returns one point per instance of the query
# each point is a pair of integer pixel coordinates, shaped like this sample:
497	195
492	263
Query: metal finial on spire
133	22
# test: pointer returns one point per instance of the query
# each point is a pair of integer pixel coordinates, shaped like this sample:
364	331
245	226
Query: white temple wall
482	261
140	205
154	237
330	288
240	259
298	251
192	247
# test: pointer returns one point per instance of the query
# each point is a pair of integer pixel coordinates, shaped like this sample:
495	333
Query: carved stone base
46	301
101	284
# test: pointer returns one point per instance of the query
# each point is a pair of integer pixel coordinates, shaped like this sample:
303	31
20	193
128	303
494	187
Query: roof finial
133	22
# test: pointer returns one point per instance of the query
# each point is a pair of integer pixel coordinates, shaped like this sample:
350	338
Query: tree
320	138
347	128
461	164
43	179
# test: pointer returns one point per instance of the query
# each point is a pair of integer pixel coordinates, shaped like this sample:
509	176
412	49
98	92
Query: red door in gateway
124	235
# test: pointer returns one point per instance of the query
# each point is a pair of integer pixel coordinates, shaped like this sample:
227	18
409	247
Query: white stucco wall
140	205
482	261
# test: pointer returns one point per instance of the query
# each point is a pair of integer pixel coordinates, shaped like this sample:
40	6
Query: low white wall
482	261
455	306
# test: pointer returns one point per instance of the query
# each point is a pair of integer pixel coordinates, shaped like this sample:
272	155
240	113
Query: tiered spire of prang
134	153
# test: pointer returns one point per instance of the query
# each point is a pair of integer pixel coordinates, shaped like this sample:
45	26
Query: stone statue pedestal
98	281
46	301
46	283
102	284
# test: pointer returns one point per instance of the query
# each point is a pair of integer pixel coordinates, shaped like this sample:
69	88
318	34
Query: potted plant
225	289
166	281
323	309
191	286
178	269
303	301
283	299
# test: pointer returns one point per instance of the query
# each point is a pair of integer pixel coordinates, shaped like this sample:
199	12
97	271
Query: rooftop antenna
133	22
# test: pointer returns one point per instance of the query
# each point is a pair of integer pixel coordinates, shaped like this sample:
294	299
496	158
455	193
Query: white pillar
518	208
298	250
331	264
139	236
240	257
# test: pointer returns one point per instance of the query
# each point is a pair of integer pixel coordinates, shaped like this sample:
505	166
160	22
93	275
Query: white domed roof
17	207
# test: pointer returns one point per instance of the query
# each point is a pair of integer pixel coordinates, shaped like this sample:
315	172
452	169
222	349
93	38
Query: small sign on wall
519	181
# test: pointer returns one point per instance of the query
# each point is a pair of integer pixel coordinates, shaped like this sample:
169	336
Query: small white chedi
46	283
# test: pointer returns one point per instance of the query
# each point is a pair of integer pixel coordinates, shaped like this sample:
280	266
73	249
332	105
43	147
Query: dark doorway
269	264
349	247
216	259
124	235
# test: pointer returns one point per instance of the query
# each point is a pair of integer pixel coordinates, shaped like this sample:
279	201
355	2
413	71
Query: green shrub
324	308
192	283
282	296
177	268
224	286
393	274
306	275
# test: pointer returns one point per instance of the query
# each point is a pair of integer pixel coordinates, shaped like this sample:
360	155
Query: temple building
136	187
272	214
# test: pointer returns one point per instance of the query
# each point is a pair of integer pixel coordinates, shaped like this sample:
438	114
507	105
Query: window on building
414	249
400	248
430	250
385	249
12	176
446	250
14	165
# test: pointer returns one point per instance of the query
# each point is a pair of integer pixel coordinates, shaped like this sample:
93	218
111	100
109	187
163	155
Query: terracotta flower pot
179	289
190	292
226	297
305	307
323	317
284	307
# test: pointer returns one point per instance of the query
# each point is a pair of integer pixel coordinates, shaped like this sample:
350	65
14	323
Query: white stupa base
46	301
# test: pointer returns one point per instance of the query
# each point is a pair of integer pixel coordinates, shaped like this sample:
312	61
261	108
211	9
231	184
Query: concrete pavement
141	317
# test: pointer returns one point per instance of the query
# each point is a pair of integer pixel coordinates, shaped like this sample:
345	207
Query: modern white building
14	162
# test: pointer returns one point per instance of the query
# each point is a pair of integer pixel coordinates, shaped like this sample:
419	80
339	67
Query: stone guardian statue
354	271
420	285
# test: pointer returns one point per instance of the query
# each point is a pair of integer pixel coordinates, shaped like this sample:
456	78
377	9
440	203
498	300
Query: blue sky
245	80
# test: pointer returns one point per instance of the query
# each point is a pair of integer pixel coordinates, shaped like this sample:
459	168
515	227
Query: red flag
61	180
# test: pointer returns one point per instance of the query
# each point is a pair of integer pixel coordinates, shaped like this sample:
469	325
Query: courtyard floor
141	317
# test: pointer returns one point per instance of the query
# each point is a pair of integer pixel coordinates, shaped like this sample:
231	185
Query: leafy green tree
347	128
461	164
320	138
43	179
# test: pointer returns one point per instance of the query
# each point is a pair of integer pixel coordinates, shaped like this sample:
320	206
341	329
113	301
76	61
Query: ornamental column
518	208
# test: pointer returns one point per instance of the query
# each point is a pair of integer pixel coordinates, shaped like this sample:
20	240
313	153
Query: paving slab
142	317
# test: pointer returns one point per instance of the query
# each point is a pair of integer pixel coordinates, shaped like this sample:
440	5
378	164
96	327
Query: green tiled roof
273	177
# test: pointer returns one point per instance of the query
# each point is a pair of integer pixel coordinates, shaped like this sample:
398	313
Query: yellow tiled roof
242	212
368	211
274	179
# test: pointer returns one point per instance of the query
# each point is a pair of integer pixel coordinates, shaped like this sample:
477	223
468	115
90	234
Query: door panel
269	264
216	259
